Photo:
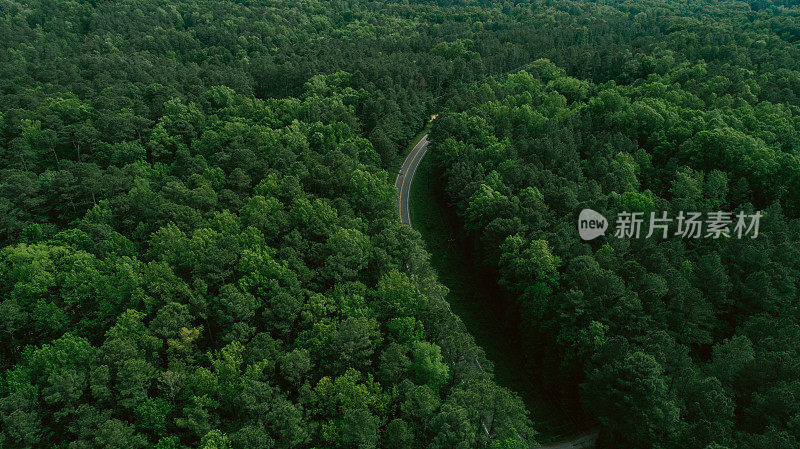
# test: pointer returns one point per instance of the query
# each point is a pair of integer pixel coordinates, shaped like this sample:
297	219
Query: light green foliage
215	440
427	365
396	296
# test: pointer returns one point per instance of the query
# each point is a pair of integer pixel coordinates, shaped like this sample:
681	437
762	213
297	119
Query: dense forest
666	342
199	244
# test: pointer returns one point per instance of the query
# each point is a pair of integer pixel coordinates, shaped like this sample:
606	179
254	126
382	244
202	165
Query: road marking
402	180
418	148
422	151
414	152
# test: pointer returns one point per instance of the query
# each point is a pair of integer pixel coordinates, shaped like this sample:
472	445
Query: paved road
406	176
403	184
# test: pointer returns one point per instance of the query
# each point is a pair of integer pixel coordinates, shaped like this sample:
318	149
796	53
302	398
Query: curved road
406	175
403	184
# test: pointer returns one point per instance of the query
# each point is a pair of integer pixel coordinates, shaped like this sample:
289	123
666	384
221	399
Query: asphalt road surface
406	176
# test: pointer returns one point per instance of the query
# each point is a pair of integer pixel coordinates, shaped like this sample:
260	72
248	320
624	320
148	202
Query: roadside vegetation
199	244
473	295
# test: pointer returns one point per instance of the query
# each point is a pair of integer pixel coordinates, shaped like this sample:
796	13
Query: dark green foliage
199	244
663	336
200	248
